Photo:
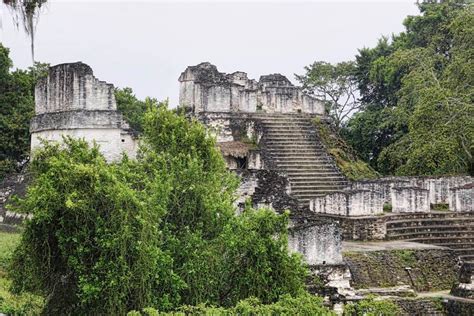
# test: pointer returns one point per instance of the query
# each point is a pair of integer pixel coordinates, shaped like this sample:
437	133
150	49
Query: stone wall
204	89
349	203
70	101
461	199
428	269
318	241
410	200
438	187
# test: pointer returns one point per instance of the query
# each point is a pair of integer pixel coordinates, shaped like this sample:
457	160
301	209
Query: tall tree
16	110
335	85
417	90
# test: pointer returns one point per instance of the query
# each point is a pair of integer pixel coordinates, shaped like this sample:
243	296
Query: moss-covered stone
346	159
422	269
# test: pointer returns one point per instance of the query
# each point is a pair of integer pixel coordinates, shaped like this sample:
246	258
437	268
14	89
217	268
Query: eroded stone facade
204	89
70	101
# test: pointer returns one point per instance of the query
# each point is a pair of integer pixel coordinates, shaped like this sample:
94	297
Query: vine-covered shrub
158	232
305	304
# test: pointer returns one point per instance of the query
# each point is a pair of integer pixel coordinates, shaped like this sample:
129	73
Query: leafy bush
157	232
305	304
371	306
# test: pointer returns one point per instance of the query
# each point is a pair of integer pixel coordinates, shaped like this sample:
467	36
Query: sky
145	45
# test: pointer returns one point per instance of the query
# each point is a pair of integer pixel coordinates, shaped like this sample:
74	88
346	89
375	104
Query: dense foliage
335	85
11	304
16	110
132	108
371	306
418	95
304	304
157	232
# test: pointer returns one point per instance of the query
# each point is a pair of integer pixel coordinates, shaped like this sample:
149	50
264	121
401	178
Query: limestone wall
410	200
349	203
318	242
70	101
72	86
438	187
204	89
461	199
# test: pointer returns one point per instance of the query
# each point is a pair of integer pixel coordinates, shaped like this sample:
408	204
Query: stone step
313	181
433	234
310	195
441	241
465	251
288	126
308	161
294	154
295	135
284	149
458	246
306	164
328	168
428	216
467	257
311	188
454	226
428	222
324	161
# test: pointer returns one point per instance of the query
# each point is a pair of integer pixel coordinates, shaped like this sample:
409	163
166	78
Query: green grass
11	304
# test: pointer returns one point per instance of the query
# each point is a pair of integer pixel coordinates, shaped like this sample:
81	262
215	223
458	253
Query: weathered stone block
318	242
410	200
70	101
349	203
461	199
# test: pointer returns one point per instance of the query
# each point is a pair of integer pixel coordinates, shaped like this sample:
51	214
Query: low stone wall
319	242
438	187
349	203
462	198
428	269
410	200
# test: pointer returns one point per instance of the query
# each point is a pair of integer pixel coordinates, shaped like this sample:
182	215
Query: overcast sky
146	45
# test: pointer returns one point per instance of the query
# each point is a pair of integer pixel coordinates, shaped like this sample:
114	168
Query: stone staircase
294	148
454	230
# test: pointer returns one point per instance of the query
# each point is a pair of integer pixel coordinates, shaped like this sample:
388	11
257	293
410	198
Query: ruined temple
267	133
70	101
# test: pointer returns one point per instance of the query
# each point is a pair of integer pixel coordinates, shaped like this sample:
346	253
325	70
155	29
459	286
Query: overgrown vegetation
371	306
416	94
11	304
302	305
346	159
16	111
157	232
133	109
429	270
417	89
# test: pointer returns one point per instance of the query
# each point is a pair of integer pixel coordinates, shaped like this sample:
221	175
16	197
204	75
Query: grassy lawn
10	304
